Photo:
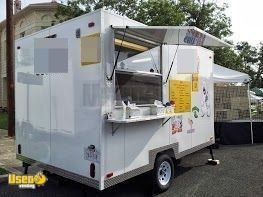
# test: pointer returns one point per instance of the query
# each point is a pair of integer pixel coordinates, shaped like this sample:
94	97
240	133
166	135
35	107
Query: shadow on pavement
138	186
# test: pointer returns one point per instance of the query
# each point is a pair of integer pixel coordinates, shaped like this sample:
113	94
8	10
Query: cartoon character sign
195	111
205	103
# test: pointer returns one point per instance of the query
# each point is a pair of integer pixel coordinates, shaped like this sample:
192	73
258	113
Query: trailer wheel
163	172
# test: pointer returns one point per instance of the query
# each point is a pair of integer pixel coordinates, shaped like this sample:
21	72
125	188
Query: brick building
28	20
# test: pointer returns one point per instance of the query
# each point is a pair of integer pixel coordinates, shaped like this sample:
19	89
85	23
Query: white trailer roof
226	75
173	35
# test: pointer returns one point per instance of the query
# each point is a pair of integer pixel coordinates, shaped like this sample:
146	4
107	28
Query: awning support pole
116	60
250	115
171	66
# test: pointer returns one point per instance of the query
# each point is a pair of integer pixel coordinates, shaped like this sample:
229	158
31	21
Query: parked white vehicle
89	95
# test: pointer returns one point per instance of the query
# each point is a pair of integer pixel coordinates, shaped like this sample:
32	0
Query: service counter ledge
139	119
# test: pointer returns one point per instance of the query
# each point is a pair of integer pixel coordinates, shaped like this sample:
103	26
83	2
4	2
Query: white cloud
246	20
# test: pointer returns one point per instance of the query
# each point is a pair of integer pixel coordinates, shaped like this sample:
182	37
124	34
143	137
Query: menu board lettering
180	93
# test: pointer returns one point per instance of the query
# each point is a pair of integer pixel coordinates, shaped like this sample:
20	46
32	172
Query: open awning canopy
171	35
226	75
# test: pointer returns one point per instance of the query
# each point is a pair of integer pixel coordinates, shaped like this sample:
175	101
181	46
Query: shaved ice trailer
102	98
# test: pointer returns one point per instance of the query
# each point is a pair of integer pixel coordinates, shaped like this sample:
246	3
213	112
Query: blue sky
246	18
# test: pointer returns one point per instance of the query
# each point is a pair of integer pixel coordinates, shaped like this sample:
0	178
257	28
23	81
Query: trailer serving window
138	76
137	87
136	54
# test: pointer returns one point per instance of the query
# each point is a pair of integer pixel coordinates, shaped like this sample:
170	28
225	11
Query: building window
138	77
22	34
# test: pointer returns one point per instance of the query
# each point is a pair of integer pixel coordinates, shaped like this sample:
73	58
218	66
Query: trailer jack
212	161
25	165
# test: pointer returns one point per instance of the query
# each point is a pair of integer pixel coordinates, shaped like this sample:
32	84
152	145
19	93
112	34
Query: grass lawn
3	171
3	120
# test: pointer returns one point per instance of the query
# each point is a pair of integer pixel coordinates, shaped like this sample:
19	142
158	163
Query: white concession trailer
102	98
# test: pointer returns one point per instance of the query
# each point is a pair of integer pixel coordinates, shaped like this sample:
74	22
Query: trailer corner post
10	67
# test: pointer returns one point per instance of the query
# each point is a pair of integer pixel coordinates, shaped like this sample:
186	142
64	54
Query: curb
12	170
3	178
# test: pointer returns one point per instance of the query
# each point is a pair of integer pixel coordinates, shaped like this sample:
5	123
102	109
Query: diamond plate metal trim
152	155
64	173
120	178
194	149
127	175
154	152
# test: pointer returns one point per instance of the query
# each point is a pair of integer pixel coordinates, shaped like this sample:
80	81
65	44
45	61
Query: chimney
17	6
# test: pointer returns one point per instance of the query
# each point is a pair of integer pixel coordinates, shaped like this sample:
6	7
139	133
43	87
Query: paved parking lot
239	174
7	152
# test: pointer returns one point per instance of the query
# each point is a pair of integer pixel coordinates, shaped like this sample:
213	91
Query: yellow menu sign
180	93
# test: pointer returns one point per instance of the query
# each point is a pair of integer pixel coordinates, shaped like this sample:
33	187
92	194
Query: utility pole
10	67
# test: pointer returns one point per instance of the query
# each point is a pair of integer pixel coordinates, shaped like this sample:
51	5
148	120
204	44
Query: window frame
136	72
160	73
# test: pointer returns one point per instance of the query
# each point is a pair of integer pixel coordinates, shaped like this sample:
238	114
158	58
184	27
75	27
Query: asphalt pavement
240	173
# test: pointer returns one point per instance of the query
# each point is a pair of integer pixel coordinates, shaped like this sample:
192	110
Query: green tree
73	9
126	8
249	56
204	14
150	12
229	58
159	12
259	74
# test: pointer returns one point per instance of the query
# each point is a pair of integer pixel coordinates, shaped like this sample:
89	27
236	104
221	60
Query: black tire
161	160
46	173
